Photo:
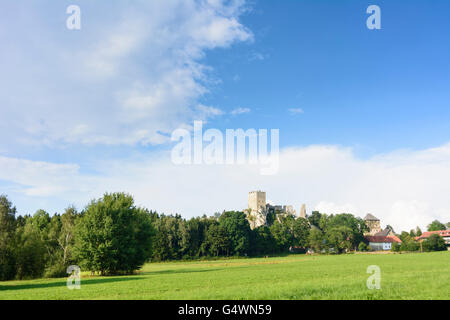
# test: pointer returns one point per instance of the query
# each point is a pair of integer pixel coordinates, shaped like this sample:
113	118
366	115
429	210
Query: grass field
403	276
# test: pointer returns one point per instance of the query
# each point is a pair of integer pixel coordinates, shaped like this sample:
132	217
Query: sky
363	115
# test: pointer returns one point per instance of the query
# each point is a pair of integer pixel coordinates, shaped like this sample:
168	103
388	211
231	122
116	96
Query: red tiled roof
383	239
442	233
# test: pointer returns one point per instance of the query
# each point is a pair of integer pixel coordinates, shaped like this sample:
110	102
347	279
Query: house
379	239
443	233
382	243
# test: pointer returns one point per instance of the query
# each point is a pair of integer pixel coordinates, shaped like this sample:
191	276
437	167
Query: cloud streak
238	111
294	111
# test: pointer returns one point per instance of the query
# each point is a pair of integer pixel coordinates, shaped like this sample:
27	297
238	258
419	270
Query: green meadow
403	276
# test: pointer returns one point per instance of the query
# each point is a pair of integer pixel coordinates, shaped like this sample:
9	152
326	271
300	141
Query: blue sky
374	90
88	111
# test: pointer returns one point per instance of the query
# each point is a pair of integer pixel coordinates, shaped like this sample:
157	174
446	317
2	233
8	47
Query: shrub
58	270
410	246
395	247
362	246
434	243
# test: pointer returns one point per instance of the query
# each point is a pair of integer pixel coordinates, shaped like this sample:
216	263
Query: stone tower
256	213
373	223
303	211
257	200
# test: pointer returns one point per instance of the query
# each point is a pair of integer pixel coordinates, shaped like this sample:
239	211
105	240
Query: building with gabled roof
379	243
443	233
378	238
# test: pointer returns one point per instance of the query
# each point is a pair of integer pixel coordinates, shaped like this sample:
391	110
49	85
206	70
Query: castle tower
256	213
373	223
303	211
256	200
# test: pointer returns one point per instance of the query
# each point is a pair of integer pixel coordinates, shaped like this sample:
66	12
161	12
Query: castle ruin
258	209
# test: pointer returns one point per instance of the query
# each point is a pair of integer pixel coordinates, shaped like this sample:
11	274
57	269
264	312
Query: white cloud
295	110
104	58
37	178
207	112
256	56
122	79
404	189
240	111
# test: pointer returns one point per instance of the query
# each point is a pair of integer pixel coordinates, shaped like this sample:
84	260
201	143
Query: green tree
66	236
162	249
237	229
340	239
409	245
7	239
434	243
31	252
281	232
436	226
290	232
314	218
192	235
316	240
352	230
405	237
113	235
217	241
262	241
418	232
300	230
45	227
168	242
61	238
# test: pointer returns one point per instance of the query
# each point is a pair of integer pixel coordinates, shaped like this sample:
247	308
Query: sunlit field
403	276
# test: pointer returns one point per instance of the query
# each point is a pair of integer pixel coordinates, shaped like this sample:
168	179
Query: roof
383	239
371	217
442	233
383	233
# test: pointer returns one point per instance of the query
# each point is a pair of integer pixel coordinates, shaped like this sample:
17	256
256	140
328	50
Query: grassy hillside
403	276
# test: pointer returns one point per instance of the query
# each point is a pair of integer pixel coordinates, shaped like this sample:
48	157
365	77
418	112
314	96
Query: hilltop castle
258	209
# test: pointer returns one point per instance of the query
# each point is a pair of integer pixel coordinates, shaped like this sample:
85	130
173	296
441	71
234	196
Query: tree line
114	236
433	243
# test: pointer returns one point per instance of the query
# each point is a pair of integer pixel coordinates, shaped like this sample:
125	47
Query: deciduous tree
113	235
436	226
